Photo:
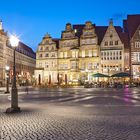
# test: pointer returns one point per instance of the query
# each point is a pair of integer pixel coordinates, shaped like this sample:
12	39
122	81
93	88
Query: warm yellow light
7	68
14	41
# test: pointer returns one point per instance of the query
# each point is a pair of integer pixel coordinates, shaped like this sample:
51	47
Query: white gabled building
112	50
46	61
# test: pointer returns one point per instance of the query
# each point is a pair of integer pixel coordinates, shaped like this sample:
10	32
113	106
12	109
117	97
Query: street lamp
7	68
14	41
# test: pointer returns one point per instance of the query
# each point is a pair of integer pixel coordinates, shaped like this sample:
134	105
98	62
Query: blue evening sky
32	19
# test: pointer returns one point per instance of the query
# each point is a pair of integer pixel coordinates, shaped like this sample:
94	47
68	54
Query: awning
121	74
100	75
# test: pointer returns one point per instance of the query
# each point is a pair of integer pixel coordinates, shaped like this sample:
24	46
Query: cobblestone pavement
73	114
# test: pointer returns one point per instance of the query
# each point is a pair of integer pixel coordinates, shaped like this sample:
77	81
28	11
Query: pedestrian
26	89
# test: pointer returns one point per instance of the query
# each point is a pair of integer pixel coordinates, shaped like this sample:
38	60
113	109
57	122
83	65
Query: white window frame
137	44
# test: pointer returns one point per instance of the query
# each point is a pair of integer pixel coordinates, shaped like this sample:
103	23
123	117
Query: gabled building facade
47	61
68	54
132	28
112	51
86	49
89	52
3	43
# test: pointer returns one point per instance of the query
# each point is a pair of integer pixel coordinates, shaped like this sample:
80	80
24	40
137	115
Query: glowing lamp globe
7	68
14	41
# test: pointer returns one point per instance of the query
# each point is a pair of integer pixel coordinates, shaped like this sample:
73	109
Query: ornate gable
47	44
88	36
112	36
68	38
68	33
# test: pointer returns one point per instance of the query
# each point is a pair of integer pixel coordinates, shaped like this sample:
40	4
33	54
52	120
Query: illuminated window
73	54
94	53
90	53
83	53
137	44
74	65
65	54
61	54
76	54
138	56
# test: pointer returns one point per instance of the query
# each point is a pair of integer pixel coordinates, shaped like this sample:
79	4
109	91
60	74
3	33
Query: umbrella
121	74
100	75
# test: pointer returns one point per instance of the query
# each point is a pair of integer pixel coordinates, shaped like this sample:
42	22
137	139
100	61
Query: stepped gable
99	30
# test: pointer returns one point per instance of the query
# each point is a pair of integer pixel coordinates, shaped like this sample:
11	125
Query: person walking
26	88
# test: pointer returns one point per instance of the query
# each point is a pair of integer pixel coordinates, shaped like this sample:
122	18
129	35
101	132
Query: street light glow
14	40
7	68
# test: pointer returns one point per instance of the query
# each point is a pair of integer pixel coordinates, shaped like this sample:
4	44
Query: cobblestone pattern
80	115
48	124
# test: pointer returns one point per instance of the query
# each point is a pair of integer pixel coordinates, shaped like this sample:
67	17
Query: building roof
125	39
56	40
26	50
99	30
131	24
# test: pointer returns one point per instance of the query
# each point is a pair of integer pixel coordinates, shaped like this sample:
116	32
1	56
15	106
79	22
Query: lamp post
7	68
14	41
